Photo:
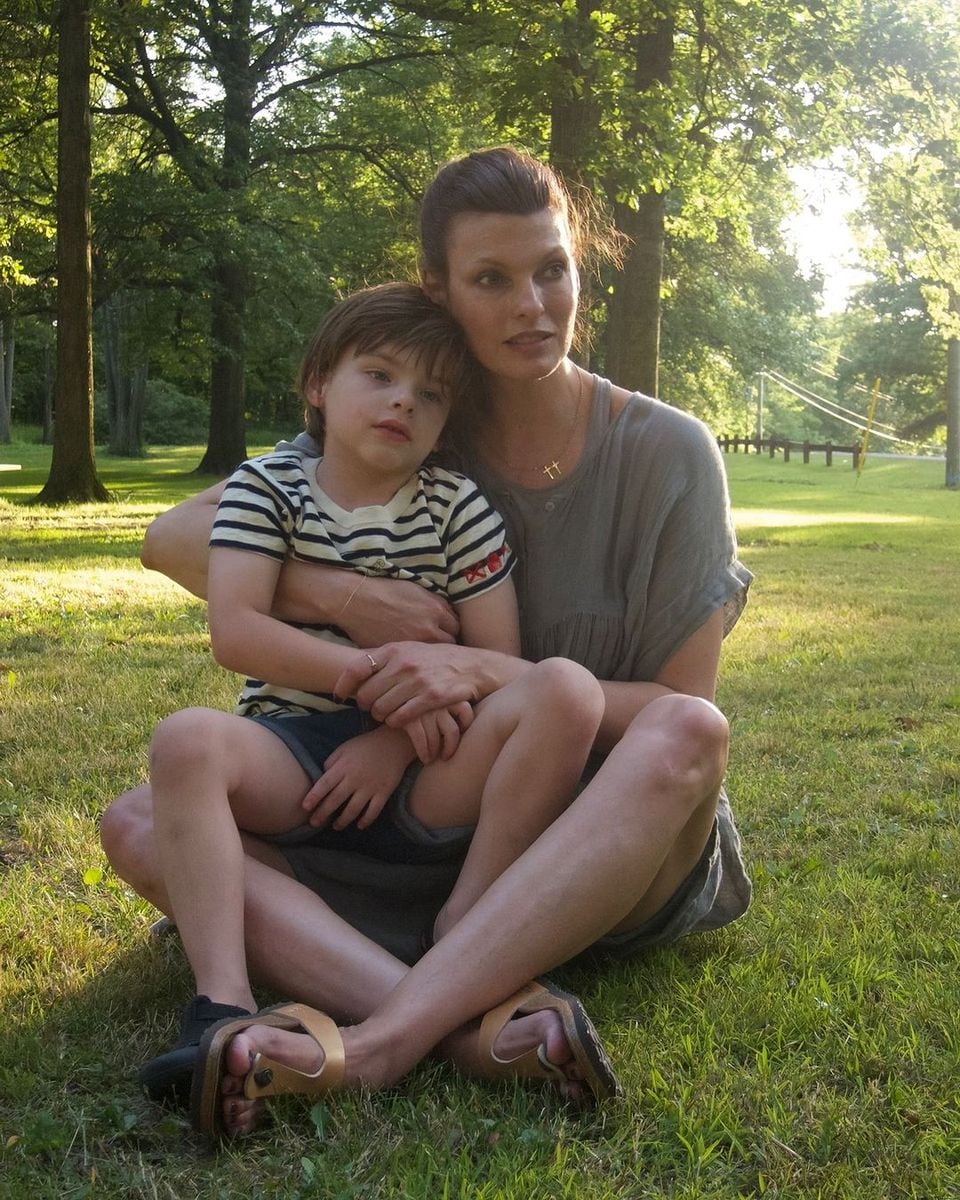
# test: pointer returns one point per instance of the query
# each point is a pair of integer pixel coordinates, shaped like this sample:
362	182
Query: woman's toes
536	1029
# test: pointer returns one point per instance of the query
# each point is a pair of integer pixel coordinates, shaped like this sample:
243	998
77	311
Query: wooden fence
774	444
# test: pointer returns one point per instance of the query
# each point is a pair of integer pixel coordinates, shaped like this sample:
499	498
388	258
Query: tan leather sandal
266	1077
594	1068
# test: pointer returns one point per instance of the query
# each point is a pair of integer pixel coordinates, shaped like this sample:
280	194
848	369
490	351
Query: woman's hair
395	314
505	180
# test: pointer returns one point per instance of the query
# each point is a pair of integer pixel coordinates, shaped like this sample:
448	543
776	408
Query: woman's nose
528	298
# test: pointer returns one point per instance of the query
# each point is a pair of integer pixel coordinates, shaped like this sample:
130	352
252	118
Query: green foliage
352	106
171	417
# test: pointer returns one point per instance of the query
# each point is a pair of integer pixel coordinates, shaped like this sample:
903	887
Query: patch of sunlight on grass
89	586
782	517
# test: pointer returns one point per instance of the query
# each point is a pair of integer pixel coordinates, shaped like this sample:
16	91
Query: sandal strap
267	1077
533	1063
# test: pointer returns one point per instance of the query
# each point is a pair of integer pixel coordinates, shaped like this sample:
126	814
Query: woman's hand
376	611
407	680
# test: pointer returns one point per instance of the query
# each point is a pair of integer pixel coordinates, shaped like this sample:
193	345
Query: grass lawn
812	1050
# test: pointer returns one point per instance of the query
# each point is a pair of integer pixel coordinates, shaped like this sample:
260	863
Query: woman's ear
433	284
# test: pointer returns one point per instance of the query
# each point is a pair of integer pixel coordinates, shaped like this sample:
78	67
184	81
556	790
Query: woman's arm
413	679
690	670
177	545
177	542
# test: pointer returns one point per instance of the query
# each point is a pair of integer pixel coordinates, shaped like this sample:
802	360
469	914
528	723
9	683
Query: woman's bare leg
610	861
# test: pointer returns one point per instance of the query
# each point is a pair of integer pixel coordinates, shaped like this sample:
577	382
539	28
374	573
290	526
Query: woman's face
512	283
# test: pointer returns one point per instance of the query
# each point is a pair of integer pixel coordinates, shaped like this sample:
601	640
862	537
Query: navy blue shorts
396	836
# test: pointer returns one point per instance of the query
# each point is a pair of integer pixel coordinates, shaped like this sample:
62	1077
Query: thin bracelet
349	598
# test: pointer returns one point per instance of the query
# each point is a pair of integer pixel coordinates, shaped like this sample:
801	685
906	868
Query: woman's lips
530	340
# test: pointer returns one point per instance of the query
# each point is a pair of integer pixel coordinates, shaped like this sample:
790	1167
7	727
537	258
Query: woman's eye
490	279
380	376
555	270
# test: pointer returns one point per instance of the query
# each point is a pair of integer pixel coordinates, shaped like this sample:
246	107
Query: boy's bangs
435	354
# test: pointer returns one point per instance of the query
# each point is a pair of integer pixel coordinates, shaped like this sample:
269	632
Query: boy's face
383	412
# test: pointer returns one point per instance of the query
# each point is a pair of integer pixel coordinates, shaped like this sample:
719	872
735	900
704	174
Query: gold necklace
551	469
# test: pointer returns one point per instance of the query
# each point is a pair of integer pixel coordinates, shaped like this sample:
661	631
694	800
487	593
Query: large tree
913	178
215	85
73	474
673	110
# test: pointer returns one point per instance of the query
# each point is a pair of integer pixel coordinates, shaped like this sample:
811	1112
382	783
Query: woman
617	509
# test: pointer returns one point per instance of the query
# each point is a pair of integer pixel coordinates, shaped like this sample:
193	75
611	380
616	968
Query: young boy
297	764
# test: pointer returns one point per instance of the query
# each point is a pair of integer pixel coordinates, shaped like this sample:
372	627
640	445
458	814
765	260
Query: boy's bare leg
211	771
296	945
515	770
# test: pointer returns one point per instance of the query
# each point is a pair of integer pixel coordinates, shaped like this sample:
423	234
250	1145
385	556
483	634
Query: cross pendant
552	470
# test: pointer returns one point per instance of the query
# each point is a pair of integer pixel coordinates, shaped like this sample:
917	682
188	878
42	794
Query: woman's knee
126	833
692	738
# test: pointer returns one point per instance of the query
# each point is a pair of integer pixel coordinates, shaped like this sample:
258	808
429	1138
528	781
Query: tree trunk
226	441
953	403
633	314
574	127
73	474
126	379
633	320
7	342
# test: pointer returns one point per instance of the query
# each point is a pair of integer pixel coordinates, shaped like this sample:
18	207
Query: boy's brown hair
399	315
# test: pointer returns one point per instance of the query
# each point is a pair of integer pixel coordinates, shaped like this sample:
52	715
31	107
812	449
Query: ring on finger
374	665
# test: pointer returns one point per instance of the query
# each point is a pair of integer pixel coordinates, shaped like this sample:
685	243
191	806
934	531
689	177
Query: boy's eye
378	374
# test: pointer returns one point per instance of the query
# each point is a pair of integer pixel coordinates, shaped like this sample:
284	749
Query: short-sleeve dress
618	563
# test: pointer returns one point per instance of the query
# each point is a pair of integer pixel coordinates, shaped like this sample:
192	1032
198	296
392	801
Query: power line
822	400
814	401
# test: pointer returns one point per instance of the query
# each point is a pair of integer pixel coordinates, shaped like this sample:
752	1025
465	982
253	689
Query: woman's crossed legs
608	862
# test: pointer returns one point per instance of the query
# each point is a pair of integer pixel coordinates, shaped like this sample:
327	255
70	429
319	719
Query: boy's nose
403	399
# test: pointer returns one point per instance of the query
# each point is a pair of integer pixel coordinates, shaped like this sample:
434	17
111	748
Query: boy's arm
491	621
176	544
246	638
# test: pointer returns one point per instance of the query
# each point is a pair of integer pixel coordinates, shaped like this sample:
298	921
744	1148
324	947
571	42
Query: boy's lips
396	428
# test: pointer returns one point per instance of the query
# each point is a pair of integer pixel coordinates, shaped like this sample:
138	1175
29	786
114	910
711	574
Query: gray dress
619	562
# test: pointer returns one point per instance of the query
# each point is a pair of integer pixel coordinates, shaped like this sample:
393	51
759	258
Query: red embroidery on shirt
492	563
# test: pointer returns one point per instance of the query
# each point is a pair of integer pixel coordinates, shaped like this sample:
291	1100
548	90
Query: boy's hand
358	779
437	734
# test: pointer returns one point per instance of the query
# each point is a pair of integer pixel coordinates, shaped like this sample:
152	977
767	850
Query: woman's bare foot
300	1051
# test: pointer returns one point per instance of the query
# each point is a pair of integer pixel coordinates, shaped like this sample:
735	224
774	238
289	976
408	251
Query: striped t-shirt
437	531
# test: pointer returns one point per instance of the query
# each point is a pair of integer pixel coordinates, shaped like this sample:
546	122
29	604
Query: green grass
812	1050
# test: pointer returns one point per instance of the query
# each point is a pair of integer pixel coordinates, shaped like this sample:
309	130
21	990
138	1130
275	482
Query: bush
171	417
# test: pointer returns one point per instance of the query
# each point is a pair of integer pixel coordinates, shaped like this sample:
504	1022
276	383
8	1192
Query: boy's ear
314	392
433	284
